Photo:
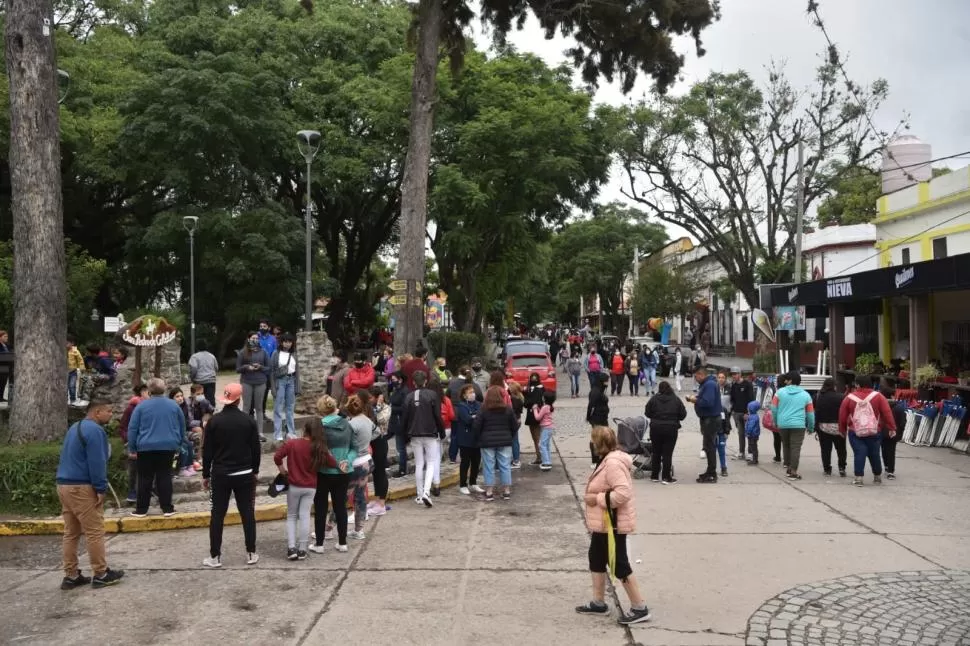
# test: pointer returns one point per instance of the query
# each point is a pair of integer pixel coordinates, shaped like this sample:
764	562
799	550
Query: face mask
477	368
359	364
254	344
470	397
200	398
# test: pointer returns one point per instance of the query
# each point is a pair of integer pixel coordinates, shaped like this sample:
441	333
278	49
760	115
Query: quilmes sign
905	276
792	294
839	288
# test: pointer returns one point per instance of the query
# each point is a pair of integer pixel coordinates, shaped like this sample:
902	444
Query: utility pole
636	280
800	215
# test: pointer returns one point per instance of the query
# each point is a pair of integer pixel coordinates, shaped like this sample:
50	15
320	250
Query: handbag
829	428
610	523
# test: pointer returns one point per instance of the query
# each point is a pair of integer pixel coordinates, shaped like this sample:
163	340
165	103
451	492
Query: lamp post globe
189	223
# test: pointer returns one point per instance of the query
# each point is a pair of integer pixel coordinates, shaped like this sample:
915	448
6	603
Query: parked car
520	346
608	341
522	364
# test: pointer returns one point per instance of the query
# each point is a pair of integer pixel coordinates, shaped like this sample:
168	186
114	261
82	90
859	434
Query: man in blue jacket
707	406
82	479
155	435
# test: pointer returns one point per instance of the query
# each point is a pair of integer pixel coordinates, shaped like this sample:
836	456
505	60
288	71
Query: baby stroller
631	435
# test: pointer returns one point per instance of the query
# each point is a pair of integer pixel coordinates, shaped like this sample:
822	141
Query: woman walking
794	413
365	430
378	452
665	411
493	429
678	369
285	384
827	405
253	367
464	438
574	368
534	399
889	442
598	411
610	509
397	396
332	482
517	401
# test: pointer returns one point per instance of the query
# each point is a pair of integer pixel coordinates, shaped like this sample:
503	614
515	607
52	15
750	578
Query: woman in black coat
827	405
533	397
598	410
399	392
665	411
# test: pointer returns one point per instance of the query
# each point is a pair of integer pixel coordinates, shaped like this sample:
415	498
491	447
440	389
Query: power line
835	59
933	161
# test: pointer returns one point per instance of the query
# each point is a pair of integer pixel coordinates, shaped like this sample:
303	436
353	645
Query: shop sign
905	277
839	288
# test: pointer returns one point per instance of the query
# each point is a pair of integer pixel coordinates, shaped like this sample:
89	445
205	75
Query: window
906	256
939	248
744	328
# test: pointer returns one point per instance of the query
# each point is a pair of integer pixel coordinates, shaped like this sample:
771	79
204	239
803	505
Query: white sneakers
316	549
341	548
465	491
476	489
252	558
357	534
212	561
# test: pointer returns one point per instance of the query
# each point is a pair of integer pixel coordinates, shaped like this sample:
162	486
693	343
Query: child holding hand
752	430
543	417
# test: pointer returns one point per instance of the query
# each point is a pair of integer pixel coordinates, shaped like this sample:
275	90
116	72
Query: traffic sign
399	285
399	300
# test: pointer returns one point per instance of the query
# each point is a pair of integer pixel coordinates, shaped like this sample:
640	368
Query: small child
725	422
75	365
200	411
752	431
543	416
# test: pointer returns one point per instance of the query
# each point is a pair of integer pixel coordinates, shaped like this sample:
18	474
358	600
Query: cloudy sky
921	48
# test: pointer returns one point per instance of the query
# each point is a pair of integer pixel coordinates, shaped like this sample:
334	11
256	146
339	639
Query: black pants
379	455
3	386
710	428
242	489
599	554
471	458
752	448
776	439
209	391
154	468
331	487
888	450
826	442
616	384
634	384
663	442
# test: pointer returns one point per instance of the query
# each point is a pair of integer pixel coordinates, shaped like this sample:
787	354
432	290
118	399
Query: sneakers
291	554
301	555
654	479
752	463
635	616
516	464
890	475
376	509
489	497
419	500
857	482
316	549
187	472
536	462
357	534
593	608
427	501
465	491
669	481
436	491
723	473
252	558
842	473
506	495
110	577
69	583
876	479
169	514
400	474
476	489
341	548
827	472
776	459
545	467
138	514
212	561
706	478
327	535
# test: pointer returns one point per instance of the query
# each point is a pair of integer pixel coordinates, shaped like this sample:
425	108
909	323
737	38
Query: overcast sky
921	48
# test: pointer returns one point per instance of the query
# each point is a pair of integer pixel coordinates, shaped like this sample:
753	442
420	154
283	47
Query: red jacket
359	379
126	417
618	364
299	462
447	411
880	406
411	367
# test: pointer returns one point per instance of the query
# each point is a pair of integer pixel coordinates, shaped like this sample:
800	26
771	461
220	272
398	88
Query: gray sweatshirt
253	377
363	427
203	367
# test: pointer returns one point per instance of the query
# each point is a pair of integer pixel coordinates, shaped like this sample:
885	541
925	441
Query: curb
188	520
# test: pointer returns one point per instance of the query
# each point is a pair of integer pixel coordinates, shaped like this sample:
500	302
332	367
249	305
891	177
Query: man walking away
574	368
424	426
82	479
230	465
203	368
742	394
707	406
863	415
155	435
794	412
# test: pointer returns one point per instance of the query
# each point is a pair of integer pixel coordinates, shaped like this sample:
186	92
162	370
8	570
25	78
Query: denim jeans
72	386
574	384
545	443
284	399
866	447
502	456
516	452
401	444
593	379
650	372
722	449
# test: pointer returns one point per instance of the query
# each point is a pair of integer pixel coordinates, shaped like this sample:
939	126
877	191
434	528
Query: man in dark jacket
230	465
598	410
742	394
462	379
707	406
399	392
424	427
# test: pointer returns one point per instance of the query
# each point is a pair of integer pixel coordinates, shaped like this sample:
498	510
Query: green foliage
725	291
27	477
664	292
765	363
459	348
866	363
854	201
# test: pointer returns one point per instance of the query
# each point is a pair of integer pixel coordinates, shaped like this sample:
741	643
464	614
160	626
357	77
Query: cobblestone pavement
928	608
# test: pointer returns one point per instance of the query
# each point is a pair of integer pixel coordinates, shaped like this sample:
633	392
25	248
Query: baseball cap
735	370
231	394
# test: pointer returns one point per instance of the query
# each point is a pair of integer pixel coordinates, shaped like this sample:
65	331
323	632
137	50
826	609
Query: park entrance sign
149	332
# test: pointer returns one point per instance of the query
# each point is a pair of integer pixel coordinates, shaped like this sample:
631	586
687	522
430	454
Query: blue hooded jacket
752	427
461	429
708	402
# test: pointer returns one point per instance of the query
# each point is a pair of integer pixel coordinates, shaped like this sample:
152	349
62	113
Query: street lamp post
189	223
308	142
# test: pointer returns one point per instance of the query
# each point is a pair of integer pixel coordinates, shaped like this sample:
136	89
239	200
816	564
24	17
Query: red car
519	366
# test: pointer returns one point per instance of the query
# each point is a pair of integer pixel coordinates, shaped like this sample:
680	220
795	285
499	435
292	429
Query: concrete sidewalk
754	559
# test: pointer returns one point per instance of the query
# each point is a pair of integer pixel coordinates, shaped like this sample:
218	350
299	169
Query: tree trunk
414	184
39	410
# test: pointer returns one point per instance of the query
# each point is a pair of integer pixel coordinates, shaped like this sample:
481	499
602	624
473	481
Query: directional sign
399	300
399	285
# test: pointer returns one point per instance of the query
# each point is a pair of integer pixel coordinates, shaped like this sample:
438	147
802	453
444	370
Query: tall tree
612	40
854	199
664	292
40	288
721	162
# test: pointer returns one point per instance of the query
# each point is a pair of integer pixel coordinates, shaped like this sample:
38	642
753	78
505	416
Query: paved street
754	559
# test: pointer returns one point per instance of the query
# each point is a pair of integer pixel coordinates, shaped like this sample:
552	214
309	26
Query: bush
27	473
459	348
765	364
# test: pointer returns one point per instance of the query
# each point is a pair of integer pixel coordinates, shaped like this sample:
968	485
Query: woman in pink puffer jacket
610	488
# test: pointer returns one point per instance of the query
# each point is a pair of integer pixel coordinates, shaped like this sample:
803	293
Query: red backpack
768	421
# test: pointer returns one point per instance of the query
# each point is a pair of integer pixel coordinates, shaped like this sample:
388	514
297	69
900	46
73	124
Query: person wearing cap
156	433
742	394
479	376
230	464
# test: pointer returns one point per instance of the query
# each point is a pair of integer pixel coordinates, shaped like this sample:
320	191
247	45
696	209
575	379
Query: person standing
889	442
423	425
203	369
417	364
480	377
828	403
665	411
75	365
82	480
863	416
650	363
364	430
378	451
632	368
360	377
707	406
253	367
547	426
139	394
493	429
458	383
463	437
574	368
617	373
230	465
594	366
4	348
598	411
742	394
516	399
533	399
793	411
156	433
269	342
285	382
678	368
332	482
752	429
397	397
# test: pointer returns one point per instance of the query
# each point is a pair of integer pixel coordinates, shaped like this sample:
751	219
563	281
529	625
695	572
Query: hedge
459	348
27	473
